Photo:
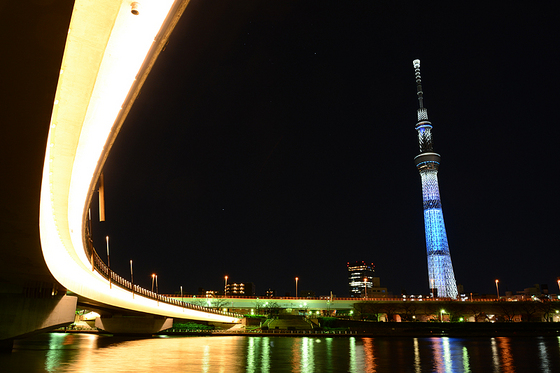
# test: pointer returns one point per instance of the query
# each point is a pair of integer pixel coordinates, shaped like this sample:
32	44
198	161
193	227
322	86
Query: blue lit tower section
440	270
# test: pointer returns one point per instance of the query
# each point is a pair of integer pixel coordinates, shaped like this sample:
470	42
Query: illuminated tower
440	270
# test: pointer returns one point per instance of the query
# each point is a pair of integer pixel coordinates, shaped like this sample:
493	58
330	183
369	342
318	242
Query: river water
59	352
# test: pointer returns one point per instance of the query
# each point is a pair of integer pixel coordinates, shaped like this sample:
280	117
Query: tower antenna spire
422	111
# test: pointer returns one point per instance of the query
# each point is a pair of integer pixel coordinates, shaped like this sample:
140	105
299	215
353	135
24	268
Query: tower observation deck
440	270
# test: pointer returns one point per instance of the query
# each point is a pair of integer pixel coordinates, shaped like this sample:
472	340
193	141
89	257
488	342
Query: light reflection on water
508	365
495	356
100	353
417	363
544	356
369	348
447	355
466	364
352	353
265	360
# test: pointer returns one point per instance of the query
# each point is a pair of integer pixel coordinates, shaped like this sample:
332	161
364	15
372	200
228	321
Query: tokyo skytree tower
440	270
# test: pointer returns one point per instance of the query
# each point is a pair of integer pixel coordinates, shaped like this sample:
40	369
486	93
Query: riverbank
379	329
414	329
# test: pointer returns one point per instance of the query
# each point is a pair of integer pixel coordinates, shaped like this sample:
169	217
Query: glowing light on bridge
110	49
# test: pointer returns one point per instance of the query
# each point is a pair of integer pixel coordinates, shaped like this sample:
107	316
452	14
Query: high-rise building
360	278
440	270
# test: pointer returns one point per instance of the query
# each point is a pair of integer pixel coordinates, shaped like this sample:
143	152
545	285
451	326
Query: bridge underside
33	44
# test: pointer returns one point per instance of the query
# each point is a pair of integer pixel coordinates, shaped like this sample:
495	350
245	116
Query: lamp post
497	289
182	303
108	261
365	287
441	315
297	278
225	286
154	276
131	278
108	258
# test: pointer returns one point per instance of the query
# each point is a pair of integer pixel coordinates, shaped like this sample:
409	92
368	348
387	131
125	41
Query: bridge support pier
22	316
133	324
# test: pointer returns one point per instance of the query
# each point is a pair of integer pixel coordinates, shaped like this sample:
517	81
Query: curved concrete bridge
58	137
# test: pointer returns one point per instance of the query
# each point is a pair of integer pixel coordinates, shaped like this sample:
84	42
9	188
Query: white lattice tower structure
440	270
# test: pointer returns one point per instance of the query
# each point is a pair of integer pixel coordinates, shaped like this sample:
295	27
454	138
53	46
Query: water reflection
438	356
448	354
54	354
506	356
251	355
206	359
329	342
369	361
265	357
466	364
352	352
63	347
296	355
259	351
307	365
495	356
99	353
417	363
545	366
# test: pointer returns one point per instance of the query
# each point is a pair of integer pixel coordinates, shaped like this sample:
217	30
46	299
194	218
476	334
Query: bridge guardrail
115	279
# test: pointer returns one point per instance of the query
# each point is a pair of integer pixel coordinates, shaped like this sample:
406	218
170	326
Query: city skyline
269	144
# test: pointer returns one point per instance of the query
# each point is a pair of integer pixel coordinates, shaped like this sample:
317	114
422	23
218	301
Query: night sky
275	139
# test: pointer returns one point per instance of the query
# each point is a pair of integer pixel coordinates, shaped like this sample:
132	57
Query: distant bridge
410	308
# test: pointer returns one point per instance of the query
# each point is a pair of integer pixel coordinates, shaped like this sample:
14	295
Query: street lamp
225	286
441	313
131	278
153	278
365	287
108	261
297	278
497	289
182	303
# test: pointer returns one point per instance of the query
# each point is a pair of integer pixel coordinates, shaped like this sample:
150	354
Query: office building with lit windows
240	289
360	278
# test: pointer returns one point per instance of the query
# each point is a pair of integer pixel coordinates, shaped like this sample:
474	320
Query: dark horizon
276	140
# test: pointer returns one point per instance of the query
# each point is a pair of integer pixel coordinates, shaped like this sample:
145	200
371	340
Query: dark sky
275	139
